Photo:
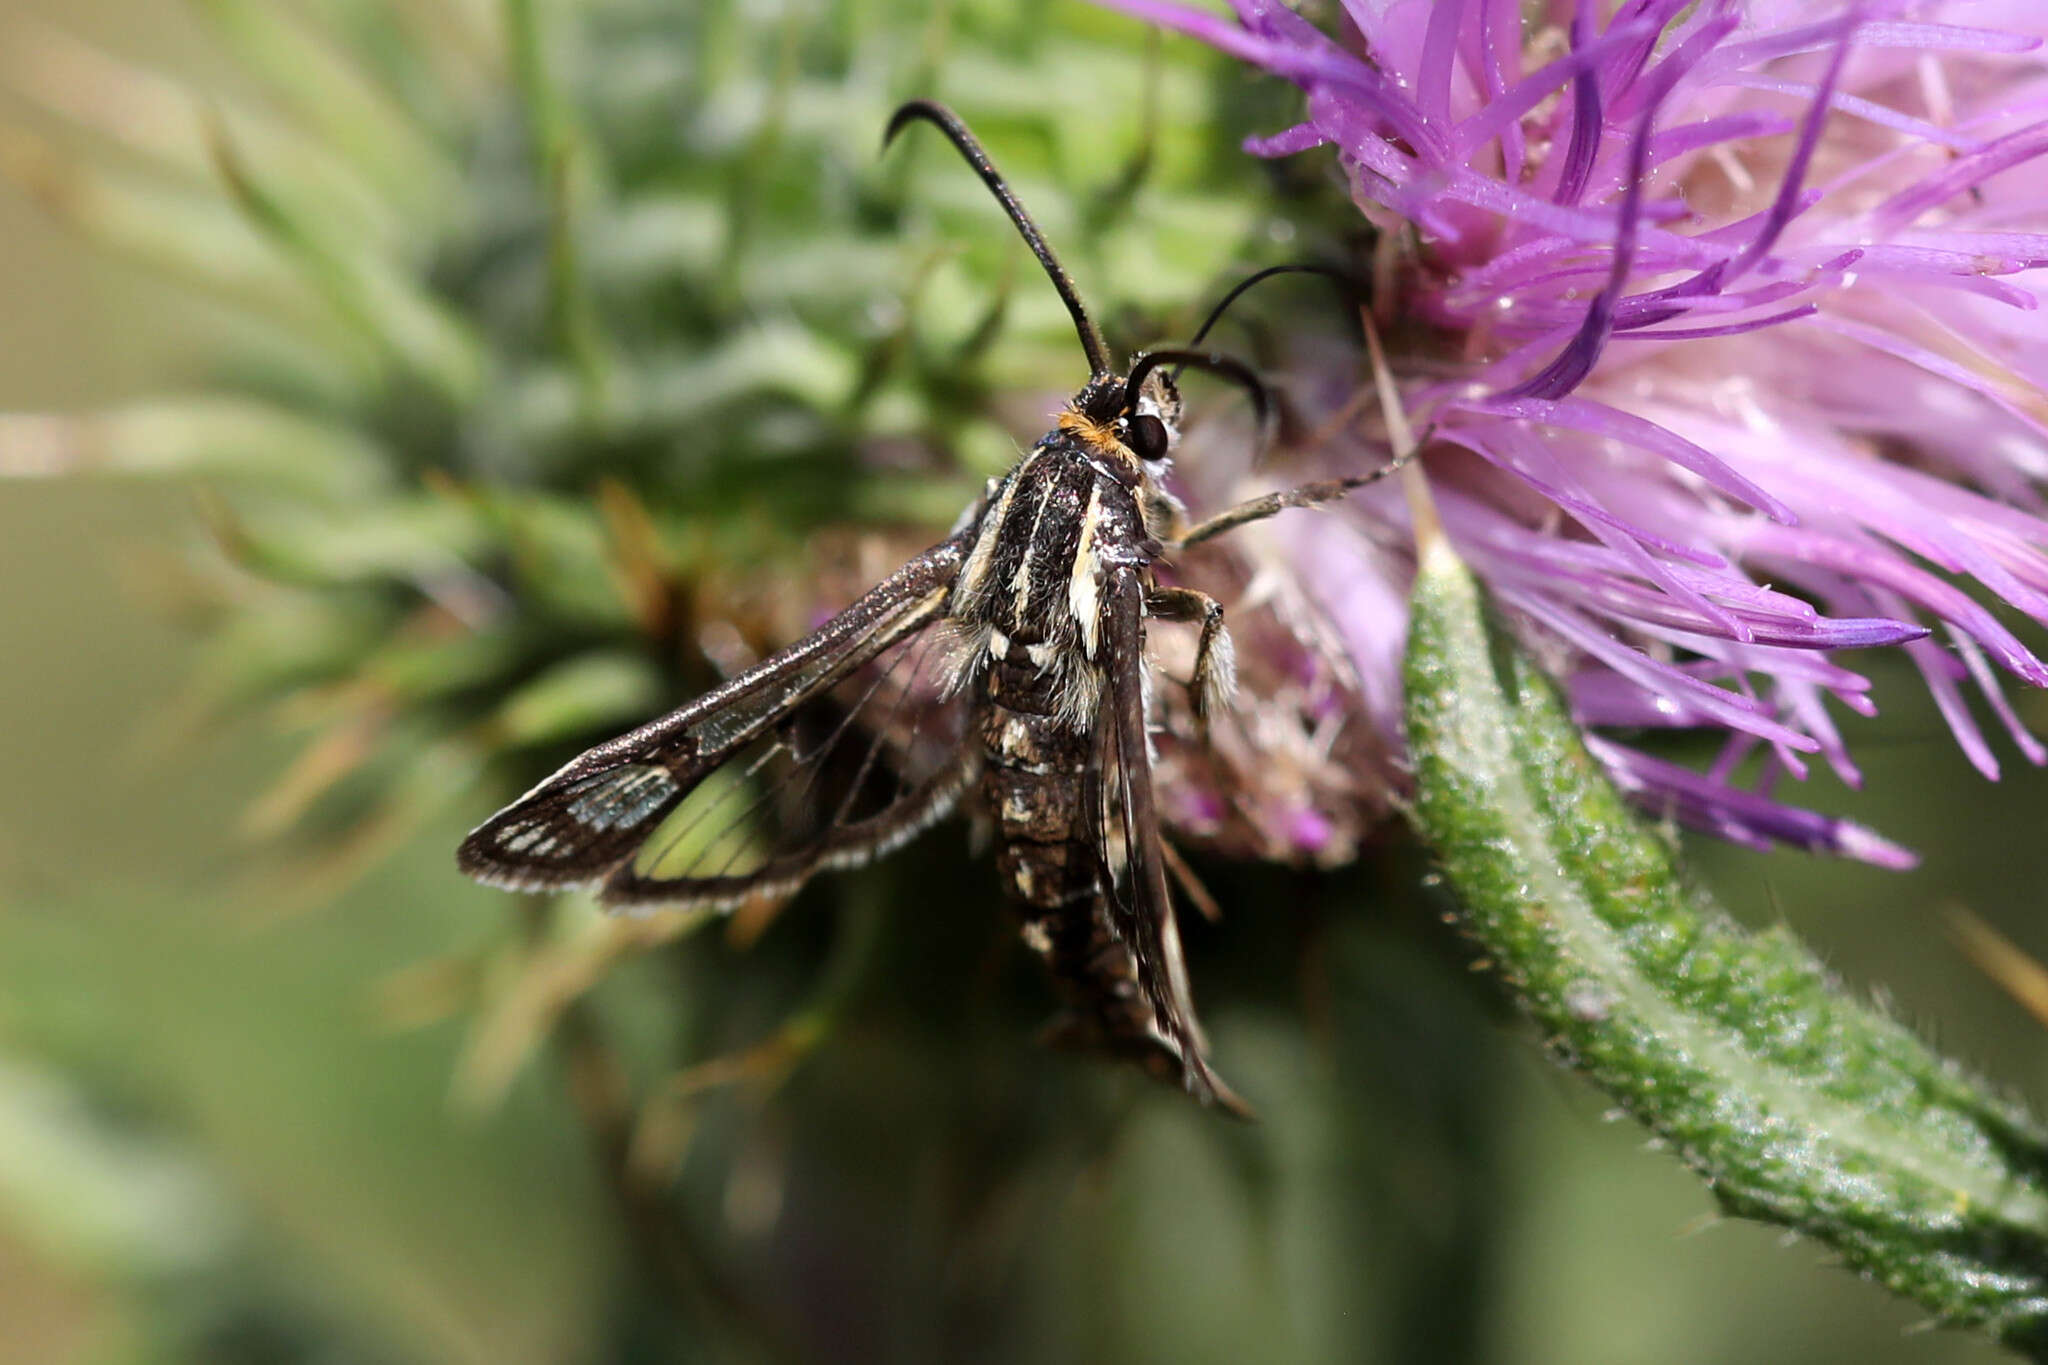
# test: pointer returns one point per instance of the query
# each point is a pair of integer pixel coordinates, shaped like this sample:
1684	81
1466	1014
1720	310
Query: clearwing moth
1003	666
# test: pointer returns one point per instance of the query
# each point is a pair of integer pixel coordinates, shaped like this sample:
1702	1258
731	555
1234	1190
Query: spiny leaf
192	236
581	947
162	121
576	698
362	286
203	435
334	99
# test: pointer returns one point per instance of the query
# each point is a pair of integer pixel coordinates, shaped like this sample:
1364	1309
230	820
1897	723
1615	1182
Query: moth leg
1215	677
1259	508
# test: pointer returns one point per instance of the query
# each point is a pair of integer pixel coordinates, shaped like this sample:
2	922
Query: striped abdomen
1035	785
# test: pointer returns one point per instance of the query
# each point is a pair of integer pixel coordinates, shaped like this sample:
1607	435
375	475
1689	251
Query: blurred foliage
558	355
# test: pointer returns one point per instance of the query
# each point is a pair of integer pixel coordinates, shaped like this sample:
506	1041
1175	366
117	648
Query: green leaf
96	1197
362	285
192	236
337	102
578	696
196	436
1800	1105
426	542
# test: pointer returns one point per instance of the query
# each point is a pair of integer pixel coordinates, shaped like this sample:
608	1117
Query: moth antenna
1350	286
948	122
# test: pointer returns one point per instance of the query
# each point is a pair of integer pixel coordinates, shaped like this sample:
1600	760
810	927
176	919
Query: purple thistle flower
1723	322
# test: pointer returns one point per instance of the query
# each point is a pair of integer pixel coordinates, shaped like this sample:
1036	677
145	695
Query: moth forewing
593	820
1143	907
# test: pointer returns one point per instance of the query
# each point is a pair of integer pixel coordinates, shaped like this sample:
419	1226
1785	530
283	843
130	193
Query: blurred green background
214	1145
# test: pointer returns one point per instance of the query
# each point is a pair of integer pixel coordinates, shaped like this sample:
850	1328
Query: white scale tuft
622	798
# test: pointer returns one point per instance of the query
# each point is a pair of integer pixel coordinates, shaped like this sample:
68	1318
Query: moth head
1132	428
1148	420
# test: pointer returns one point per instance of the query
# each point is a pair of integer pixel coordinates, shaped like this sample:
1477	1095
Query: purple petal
1783	207
1987	683
1576	166
1873	566
1299	138
1726	329
1741	816
1740	713
1506	110
1576	361
1578	414
1962	175
1433	85
1844	390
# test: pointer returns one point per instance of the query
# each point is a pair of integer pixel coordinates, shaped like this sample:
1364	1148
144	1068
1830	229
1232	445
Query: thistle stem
1800	1105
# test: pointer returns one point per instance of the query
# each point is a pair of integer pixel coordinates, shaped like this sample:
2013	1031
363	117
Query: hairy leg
1215	675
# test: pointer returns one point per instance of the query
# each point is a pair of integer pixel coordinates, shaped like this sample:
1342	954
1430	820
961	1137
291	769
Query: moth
1003	667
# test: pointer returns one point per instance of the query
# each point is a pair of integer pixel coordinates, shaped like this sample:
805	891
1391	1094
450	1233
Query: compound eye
1146	436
